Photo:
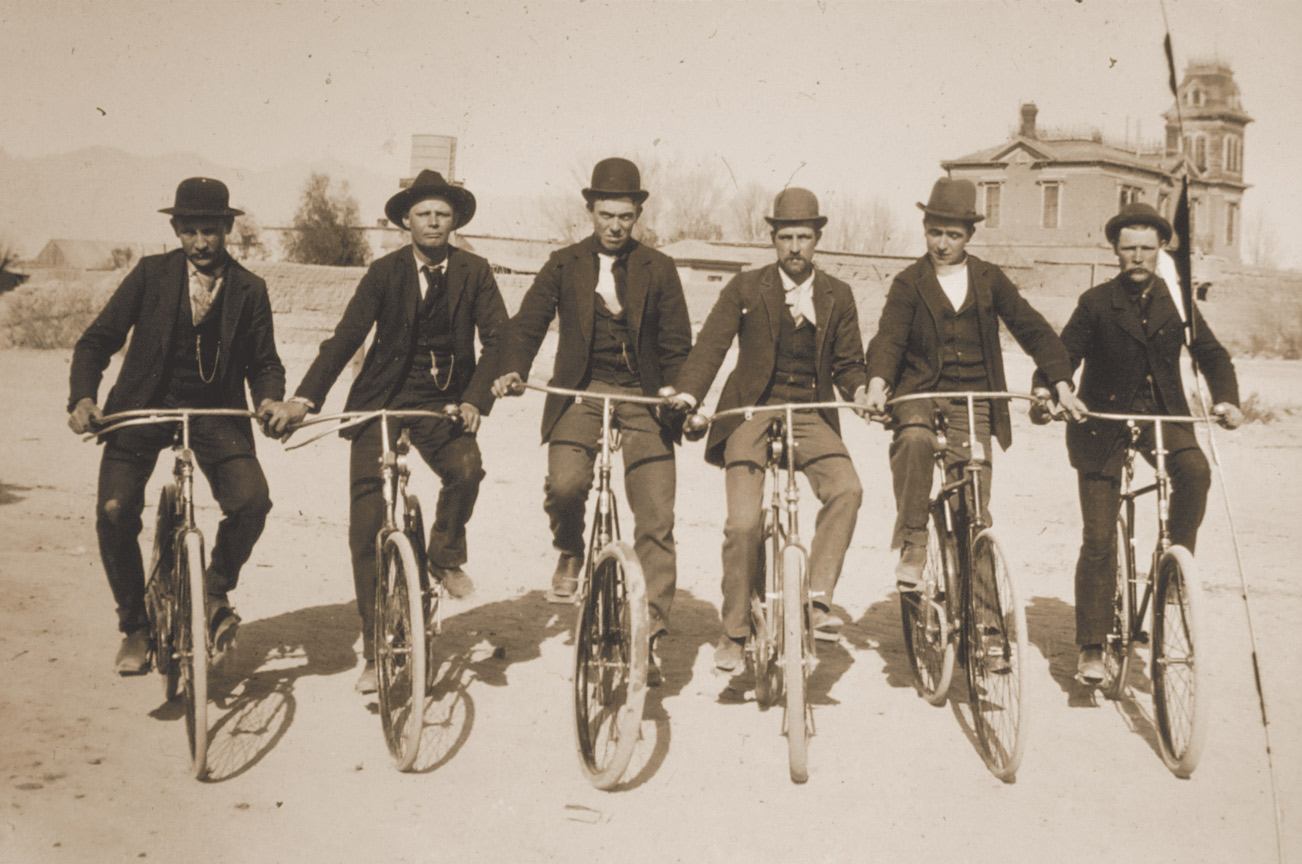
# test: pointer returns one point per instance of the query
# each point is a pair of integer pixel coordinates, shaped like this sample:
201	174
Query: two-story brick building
1046	195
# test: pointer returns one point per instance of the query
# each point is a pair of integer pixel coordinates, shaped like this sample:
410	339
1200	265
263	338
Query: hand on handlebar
86	416
468	415
279	419
510	384
874	399
1228	414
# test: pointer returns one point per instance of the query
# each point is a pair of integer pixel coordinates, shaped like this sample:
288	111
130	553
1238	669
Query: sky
846	98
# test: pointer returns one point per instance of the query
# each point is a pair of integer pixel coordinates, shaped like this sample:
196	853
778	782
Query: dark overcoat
906	351
387	298
1106	334
750	308
566	288
150	299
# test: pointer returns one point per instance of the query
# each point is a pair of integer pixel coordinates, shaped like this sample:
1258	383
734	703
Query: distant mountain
101	193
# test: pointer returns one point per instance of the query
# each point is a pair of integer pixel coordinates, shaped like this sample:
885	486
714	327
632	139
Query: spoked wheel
796	652
996	652
1116	651
191	646
400	650
760	650
925	616
160	594
611	648
431	589
1179	681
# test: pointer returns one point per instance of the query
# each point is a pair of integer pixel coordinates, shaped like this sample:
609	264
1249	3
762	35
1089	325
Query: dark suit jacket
906	352
387	298
150	299
1106	334
750	308
566	286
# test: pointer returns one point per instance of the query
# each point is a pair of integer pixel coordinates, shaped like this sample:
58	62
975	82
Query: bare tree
869	226
746	210
326	227
247	236
1259	244
122	257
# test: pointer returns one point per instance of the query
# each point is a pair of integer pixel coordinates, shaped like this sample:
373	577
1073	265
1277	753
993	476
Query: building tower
1214	122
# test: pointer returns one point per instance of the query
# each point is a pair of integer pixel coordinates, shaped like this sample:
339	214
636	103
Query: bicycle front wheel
611	648
191	645
996	652
764	643
160	593
1116	651
795	653
925	617
400	650
1179	684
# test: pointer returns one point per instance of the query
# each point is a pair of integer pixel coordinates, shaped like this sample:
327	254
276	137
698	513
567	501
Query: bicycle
175	594
408	603
780	649
612	632
967	604
1172	586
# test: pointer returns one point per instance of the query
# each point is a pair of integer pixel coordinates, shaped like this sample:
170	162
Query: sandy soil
94	766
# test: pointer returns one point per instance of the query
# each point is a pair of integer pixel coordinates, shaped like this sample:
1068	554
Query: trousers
453	455
1100	498
823	458
226	457
650	482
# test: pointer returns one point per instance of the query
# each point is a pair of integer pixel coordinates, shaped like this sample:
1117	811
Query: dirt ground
94	766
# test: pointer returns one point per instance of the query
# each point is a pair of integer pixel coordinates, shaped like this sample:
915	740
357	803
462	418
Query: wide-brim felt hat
1137	213
430	184
615	178
794	204
202	196
952	199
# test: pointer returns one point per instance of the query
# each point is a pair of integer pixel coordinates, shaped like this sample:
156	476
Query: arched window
1200	151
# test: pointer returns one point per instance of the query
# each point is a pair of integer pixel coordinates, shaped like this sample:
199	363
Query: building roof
510	254
89	254
848	266
1073	151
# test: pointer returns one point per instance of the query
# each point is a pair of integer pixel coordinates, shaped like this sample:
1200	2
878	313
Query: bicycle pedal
1141	637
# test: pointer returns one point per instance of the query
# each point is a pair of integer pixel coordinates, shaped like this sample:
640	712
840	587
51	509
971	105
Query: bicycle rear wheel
191	644
763	645
996	650
1179	684
160	593
400	650
925	616
611	648
1116	651
795	652
431	590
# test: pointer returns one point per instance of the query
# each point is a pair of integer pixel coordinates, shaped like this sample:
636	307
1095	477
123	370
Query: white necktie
606	282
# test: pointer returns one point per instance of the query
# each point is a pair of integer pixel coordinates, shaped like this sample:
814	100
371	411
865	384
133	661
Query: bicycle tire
762	647
431	590
925	618
996	647
1117	648
192	647
400	650
795	644
611	649
160	593
1179	681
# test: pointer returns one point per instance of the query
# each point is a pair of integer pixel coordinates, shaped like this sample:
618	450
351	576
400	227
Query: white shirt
800	298
606	282
420	272
955	286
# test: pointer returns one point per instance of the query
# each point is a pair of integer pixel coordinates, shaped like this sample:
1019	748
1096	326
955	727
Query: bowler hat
1137	213
794	204
430	184
615	178
952	199
202	196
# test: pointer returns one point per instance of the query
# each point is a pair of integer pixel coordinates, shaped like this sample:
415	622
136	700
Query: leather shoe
133	655
908	572
727	654
455	582
565	580
1089	665
653	676
827	627
223	625
366	681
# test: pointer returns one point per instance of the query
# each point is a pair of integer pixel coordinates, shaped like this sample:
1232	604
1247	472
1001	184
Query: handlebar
357	418
1149	418
149	416
580	395
749	411
963	394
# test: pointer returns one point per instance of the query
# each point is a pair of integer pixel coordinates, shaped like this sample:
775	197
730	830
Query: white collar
789	284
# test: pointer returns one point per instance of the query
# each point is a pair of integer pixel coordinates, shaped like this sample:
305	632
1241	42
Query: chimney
1028	120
